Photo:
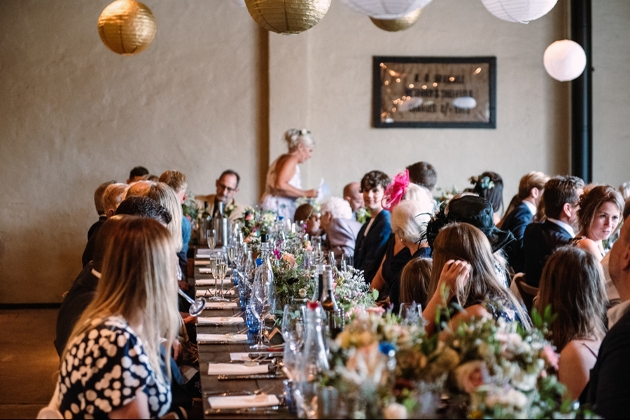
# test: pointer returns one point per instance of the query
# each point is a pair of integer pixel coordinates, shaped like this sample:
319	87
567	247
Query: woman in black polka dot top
112	366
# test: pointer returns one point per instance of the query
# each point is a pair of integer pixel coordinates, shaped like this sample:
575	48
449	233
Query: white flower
302	293
510	397
395	411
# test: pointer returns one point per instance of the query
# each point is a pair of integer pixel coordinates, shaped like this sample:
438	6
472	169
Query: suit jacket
342	235
539	241
516	222
74	303
609	387
210	199
96	226
369	250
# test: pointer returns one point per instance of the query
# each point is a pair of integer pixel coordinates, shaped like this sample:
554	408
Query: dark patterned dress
104	370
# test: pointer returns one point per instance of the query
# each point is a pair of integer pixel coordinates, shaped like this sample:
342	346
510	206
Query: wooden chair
527	292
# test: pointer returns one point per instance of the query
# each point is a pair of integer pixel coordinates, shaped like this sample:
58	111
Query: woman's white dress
283	206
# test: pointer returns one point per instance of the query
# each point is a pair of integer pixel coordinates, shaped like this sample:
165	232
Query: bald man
352	194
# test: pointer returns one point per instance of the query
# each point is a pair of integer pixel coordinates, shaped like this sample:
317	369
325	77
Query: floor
28	361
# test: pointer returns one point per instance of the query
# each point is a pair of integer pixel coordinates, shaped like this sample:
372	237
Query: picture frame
434	92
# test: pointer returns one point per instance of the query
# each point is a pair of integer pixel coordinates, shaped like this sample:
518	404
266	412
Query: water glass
346	261
253	324
211	238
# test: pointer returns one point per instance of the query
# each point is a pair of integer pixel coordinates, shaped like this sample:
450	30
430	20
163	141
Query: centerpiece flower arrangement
352	291
255	222
292	280
485	369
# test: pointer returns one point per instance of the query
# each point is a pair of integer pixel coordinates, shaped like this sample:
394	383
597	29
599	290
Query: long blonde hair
138	282
462	241
573	284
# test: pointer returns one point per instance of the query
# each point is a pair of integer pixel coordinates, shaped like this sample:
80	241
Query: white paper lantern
565	60
521	11
239	2
385	9
465	102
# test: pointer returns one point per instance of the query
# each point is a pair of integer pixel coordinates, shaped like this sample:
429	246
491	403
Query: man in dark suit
609	389
530	190
560	199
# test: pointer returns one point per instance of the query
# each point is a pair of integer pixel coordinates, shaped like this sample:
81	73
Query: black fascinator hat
473	210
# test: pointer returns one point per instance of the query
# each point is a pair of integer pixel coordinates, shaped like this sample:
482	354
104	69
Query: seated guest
464	265
124	373
137	174
611	291
561	203
83	288
177	181
98	203
469	208
572	283
372	238
414	281
409	219
112	196
352	194
340	227
226	189
310	219
530	190
598	216
608	390
489	185
423	174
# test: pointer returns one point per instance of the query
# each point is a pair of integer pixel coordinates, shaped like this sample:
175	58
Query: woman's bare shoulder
589	245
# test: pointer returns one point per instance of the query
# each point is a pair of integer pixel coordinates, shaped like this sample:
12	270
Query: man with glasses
227	187
560	199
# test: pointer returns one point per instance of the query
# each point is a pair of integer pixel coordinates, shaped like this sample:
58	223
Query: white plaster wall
532	110
74	114
611	101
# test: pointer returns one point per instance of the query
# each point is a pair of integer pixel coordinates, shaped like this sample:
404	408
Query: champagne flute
256	306
211	237
221	271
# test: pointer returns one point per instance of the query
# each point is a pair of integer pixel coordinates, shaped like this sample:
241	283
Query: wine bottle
328	302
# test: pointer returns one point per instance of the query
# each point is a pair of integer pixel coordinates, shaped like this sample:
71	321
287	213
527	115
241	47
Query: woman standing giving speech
283	185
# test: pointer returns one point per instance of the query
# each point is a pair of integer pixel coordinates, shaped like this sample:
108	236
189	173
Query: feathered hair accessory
395	191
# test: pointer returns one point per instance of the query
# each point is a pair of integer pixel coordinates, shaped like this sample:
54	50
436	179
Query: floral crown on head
484	182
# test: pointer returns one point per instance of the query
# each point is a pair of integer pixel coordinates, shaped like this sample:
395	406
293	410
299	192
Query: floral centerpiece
446	194
352	291
292	280
255	222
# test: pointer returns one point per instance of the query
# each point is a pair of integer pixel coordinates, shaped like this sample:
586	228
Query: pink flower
470	375
289	258
249	217
550	356
377	310
277	254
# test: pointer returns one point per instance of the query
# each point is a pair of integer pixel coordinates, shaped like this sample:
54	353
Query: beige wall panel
611	102
74	114
532	111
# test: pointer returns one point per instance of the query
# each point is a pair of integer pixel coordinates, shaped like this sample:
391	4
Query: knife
253	376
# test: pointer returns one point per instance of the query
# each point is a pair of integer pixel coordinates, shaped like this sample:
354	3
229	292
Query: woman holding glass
113	365
284	185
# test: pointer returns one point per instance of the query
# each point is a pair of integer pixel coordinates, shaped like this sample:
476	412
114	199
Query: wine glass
211	237
293	334
257	308
346	261
410	313
221	270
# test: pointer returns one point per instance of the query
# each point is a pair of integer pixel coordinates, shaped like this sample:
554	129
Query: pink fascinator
396	190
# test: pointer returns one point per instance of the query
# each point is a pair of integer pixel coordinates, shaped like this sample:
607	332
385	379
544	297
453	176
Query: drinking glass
346	261
211	237
293	334
257	308
410	313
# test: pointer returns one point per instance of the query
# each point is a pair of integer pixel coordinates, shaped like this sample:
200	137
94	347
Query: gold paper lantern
287	16
400	24
127	27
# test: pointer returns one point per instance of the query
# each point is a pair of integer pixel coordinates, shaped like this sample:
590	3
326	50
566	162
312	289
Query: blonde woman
283	178
112	365
572	283
463	264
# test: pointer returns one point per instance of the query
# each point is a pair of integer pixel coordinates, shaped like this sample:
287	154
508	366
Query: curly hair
295	137
337	207
373	179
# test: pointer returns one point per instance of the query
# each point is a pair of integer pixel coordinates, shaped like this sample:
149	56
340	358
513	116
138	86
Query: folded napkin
219	320
213	338
236	369
211	282
221	305
202	262
213	292
244	401
243	357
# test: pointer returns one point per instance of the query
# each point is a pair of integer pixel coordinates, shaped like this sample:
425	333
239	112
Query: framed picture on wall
434	92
